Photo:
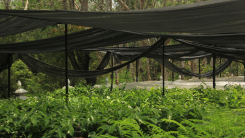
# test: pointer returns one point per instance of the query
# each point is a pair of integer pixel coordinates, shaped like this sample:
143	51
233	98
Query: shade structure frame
214	60
66	64
112	73
226	1
9	65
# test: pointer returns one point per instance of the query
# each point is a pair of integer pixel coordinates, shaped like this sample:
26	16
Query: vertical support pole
220	64
172	71
66	64
163	66
73	5
111	72
199	68
9	77
244	71
137	75
237	68
214	59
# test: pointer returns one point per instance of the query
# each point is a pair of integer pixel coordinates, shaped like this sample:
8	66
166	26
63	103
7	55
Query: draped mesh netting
5	60
218	27
10	25
215	16
186	72
40	66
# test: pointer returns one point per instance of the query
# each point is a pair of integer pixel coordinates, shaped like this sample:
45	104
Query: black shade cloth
13	25
168	48
91	38
212	17
57	71
5	59
215	16
225	52
186	72
177	57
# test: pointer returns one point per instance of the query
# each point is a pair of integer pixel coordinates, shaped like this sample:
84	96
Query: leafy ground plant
197	112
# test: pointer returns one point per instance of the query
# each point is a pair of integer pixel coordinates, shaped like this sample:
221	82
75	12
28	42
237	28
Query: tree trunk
132	71
140	70
211	62
101	3
116	75
165	69
164	3
26	5
71	4
117	71
123	5
6	3
148	69
194	66
110	5
65	7
182	65
84	5
107	5
204	62
142	3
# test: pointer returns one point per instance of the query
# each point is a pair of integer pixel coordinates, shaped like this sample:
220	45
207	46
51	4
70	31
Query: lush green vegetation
196	112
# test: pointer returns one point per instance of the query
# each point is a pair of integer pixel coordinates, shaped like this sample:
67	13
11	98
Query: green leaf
71	130
8	130
27	126
30	135
59	132
154	120
112	128
34	120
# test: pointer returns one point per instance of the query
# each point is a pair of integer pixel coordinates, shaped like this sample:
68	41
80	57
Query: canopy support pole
244	71
172	71
220	64
214	59
199	68
9	77
111	73
66	64
163	67
237	68
137	71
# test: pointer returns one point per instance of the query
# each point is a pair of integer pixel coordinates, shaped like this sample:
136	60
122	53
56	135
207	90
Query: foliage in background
36	83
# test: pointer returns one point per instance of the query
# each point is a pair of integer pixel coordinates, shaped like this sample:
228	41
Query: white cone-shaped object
161	78
179	77
69	82
19	84
231	75
106	81
20	93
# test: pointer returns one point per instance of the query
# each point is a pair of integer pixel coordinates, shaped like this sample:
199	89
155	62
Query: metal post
111	73
137	71
9	64
244	71
199	68
220	64
172	71
214	59
66	53
237	68
163	67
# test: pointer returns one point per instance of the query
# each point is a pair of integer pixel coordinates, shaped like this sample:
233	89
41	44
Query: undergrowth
184	113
